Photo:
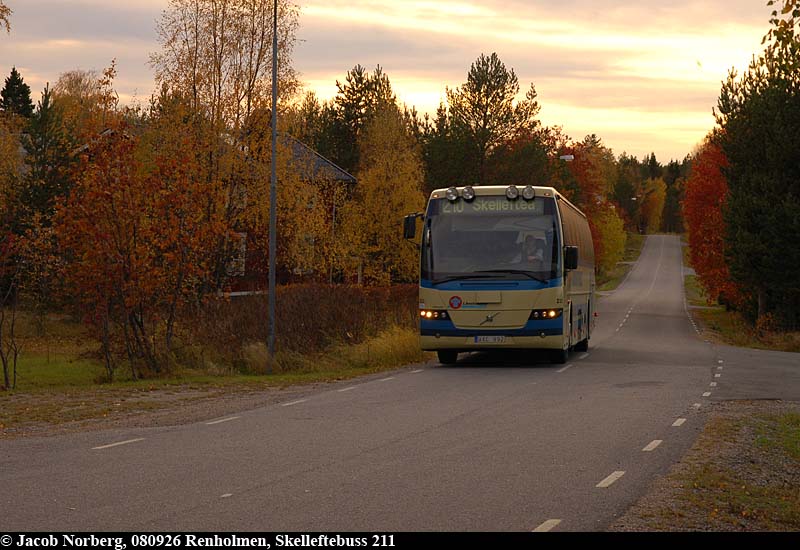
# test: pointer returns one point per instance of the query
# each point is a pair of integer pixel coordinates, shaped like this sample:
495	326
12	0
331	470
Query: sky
643	76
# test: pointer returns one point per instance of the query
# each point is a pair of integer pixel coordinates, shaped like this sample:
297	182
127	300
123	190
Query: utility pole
273	189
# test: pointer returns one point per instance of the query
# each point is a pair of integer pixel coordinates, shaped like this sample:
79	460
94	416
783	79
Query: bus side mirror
410	226
570	257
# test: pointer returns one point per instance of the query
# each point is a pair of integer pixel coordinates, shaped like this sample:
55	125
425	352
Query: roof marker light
512	192
528	193
452	194
468	193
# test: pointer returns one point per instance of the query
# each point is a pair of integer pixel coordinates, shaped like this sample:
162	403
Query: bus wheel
447	357
560	356
583	345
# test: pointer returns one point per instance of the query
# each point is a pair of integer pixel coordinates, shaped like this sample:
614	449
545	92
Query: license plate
490	339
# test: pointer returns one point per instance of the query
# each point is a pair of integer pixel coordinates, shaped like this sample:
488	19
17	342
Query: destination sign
492	205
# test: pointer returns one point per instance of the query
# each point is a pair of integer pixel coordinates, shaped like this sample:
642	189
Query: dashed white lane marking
547	526
584	356
697	405
221	420
290	403
680	421
713	384
226	495
117	444
717	375
386	379
707	394
416	371
652	445
610	479
565	368
347	389
720	361
719	368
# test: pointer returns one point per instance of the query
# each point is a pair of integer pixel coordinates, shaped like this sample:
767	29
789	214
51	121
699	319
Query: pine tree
48	158
15	96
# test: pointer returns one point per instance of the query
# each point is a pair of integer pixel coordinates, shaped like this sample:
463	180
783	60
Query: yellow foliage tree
389	186
610	244
655	195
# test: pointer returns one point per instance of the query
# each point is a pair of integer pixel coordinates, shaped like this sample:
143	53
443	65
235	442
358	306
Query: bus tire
560	356
447	357
583	345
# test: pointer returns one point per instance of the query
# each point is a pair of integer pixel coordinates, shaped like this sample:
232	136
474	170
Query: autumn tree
703	205
653	196
15	97
486	111
218	53
389	184
5	15
759	116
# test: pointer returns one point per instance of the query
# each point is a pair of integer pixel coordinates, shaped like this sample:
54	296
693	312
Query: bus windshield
490	237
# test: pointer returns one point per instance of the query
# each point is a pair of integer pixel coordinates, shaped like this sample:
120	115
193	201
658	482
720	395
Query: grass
607	282
59	380
729	327
752	500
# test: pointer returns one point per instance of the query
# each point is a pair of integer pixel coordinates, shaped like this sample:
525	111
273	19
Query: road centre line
680	421
565	368
547	526
607	482
226	495
652	445
290	403
117	444
347	389
221	420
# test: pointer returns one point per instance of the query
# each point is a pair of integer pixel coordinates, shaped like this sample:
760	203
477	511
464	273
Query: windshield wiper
516	272
459	278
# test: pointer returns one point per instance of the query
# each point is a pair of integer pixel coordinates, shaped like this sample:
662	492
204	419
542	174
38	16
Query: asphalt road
498	442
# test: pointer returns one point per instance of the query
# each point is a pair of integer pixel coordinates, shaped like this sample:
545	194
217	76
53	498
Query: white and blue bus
503	267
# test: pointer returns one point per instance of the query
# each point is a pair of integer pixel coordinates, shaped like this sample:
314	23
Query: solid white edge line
290	403
221	420
547	526
584	356
117	444
386	379
680	421
610	479
652	445
416	371
347	389
565	368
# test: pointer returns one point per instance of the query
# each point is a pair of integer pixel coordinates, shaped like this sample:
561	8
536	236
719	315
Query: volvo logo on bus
490	318
456	302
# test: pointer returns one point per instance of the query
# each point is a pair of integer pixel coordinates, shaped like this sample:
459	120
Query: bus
504	267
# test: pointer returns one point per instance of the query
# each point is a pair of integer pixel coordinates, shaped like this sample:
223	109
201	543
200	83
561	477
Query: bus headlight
528	193
451	194
538	314
468	193
512	192
432	314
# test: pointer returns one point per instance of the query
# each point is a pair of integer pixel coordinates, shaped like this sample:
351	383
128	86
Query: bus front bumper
471	343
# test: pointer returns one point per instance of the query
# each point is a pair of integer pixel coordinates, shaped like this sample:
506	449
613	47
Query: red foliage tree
706	192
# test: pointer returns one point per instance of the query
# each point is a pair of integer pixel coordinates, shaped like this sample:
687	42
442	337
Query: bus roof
493	190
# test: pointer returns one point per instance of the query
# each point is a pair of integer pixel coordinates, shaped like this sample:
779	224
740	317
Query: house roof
313	166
